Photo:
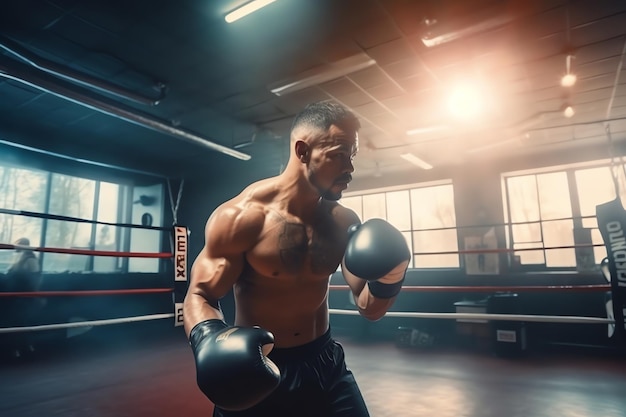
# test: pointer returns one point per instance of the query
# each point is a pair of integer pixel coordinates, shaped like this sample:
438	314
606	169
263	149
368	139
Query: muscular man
277	243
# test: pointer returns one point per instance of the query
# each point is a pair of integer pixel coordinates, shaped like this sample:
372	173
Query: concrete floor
153	376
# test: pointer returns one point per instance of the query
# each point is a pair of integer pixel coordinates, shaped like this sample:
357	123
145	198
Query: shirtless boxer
277	243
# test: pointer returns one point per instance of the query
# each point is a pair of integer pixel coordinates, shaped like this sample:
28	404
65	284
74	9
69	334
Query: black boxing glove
378	253
231	367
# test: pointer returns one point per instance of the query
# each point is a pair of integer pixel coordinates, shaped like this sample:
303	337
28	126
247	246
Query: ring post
180	272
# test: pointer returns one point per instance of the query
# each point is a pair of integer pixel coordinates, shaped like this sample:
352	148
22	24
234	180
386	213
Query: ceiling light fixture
428	129
416	161
246	9
569	79
322	74
433	38
569	111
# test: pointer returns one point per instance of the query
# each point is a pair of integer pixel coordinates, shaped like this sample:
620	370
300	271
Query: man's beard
325	193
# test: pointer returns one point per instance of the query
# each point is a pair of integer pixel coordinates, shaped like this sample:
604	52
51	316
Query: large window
423	213
37	192
556	208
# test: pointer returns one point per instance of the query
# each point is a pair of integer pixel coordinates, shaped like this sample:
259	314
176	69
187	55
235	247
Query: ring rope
409	288
90	252
524	288
169	255
508	250
465	316
74	293
77	219
85	323
487	316
490	225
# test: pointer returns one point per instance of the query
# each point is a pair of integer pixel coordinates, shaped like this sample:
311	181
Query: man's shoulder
343	213
239	214
244	213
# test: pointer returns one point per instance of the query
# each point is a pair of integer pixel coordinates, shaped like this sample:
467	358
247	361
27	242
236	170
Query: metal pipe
76	77
616	82
24	75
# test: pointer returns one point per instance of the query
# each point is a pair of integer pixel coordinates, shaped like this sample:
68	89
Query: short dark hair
323	114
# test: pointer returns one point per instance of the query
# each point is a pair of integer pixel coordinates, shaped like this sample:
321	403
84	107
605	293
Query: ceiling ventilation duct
19	72
76	77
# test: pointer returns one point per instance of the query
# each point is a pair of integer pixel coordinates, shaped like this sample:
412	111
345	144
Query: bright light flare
467	101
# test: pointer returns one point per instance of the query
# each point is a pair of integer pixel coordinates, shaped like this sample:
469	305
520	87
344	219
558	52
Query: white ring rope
486	316
84	323
461	316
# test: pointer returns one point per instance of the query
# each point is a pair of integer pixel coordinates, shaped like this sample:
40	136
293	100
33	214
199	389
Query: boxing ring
178	284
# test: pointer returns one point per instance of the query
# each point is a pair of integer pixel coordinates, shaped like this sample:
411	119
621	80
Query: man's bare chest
290	247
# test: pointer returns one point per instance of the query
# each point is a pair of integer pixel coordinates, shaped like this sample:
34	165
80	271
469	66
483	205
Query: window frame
408	188
577	219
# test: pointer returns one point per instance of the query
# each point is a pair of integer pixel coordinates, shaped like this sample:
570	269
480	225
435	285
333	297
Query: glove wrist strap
384	291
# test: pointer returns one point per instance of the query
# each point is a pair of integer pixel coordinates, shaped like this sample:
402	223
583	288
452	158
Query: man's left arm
374	266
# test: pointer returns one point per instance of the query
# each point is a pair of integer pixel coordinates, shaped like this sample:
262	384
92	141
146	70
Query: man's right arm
227	357
229	233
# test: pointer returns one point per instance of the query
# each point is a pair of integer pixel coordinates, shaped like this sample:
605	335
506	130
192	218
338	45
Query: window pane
559	233
433	207
523	199
526	233
554	199
374	206
142	240
529	257
594	187
599	252
399	210
74	197
20	189
107	236
71	196
425	242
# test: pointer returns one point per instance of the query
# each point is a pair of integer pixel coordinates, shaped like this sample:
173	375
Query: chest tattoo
293	244
325	252
324	249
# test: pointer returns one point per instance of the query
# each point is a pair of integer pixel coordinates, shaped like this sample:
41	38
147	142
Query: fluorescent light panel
416	161
429	129
324	73
434	39
246	9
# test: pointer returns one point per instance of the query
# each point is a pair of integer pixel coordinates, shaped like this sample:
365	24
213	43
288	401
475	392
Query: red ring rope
85	292
90	252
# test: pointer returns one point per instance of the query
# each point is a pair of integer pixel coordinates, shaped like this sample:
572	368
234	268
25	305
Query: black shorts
314	382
